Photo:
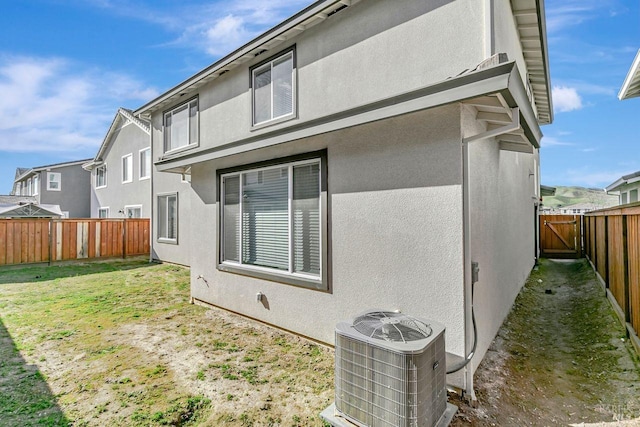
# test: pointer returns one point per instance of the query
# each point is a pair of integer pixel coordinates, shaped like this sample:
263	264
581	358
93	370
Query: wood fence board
615	259
633	239
3	242
601	248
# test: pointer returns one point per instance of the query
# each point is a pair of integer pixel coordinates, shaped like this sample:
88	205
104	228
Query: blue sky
67	65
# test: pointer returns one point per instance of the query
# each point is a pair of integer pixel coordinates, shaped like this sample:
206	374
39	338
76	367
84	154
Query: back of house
363	154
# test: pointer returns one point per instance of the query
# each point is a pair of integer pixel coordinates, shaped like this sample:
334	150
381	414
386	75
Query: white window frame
128	166
166	117
127	208
36	185
165	227
146	165
314	282
103	209
103	167
58	180
29	187
294	88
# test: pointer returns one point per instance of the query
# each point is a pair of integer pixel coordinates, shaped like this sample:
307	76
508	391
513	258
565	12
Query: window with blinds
181	126
273	85
101	176
271	219
168	218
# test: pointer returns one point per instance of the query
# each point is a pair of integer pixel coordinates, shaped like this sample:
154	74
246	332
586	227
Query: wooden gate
561	236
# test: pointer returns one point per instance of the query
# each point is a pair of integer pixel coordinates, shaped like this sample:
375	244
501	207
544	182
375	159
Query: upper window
633	195
623	198
272	222
101	176
273	88
127	168
103	213
36	185
54	181
29	188
181	126
133	211
145	163
168	218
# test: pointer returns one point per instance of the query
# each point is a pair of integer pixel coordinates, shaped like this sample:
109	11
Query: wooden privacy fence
24	241
612	244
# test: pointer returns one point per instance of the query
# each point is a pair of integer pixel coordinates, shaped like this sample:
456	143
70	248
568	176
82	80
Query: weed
200	376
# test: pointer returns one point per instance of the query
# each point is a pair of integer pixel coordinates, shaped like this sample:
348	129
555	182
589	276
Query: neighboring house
63	184
631	85
121	170
30	210
626	187
363	155
579	208
122	181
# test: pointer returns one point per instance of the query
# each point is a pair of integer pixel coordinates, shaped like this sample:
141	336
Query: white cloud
563	14
53	105
566	99
550	141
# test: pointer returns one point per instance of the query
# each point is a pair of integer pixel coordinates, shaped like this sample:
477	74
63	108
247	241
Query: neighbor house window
127	168
272	221
181	126
103	213
36	185
633	196
29	187
133	211
168	218
623	198
54	181
145	163
273	88
101	176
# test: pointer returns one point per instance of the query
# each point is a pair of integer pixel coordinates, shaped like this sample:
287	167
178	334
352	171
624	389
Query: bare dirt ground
561	358
118	344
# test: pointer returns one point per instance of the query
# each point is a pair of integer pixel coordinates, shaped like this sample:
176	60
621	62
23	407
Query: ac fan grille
381	388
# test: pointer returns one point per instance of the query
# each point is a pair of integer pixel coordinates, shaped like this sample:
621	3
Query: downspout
489	35
151	197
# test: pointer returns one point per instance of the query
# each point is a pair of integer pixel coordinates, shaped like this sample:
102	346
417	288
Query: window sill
144	178
101	187
179	150
168	241
274	276
127	182
273	122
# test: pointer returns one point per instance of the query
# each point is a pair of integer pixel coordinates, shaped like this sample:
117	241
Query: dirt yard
117	343
561	358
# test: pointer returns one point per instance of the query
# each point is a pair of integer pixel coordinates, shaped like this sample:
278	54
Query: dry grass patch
117	343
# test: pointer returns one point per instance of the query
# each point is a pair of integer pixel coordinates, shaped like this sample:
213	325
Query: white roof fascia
47	167
631	86
614	185
299	22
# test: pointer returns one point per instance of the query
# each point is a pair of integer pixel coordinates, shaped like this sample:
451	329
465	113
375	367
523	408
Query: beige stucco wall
502	234
394	189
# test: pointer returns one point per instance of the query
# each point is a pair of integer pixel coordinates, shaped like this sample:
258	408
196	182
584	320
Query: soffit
631	86
531	24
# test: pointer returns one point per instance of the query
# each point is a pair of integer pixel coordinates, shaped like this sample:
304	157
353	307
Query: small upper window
101	176
54	181
36	185
127	168
273	88
181	126
103	213
133	211
145	163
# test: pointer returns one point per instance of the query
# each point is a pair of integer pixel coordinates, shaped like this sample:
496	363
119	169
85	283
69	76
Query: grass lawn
117	343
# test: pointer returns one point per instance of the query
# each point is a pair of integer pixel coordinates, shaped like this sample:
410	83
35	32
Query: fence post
50	240
606	251
625	257
124	238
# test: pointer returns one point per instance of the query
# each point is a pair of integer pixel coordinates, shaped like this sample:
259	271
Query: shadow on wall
25	396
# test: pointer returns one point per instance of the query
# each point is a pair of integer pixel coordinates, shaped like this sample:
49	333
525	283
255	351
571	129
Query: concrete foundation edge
331	416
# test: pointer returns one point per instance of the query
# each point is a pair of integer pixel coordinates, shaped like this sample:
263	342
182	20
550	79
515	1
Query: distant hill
566	196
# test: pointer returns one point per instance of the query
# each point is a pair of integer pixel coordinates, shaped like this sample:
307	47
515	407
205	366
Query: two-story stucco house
123	179
64	184
626	187
366	154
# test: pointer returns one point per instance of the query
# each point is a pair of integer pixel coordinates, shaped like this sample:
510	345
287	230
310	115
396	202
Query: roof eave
631	85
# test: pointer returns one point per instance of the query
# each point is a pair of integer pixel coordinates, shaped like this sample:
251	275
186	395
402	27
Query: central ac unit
390	371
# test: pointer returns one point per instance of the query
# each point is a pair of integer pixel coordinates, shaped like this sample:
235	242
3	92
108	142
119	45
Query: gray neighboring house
64	184
363	155
123	178
626	188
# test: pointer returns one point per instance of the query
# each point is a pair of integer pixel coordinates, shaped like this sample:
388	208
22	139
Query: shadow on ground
25	396
560	358
42	272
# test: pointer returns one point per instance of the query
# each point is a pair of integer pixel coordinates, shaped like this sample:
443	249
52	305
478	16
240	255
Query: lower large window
168	218
272	221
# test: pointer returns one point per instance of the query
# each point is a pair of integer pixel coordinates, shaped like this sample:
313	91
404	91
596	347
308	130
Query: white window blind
271	218
168	217
101	176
